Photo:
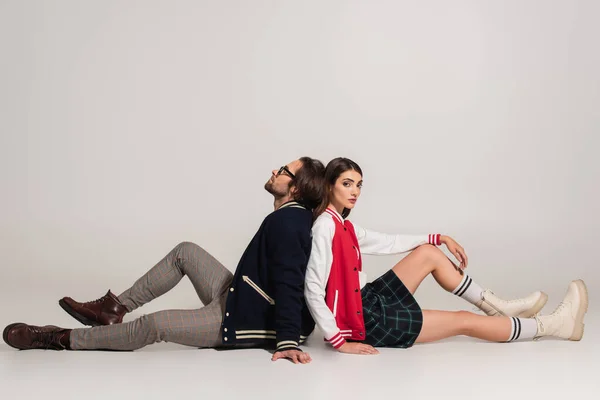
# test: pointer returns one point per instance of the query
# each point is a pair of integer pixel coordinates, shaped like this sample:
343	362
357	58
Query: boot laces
50	340
100	300
560	308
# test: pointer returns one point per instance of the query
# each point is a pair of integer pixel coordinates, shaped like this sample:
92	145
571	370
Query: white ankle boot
566	321
525	307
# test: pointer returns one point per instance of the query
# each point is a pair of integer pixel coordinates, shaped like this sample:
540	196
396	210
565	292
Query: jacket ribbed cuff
286	345
337	340
435	239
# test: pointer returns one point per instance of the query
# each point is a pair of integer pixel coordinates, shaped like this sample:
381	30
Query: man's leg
208	276
205	272
197	328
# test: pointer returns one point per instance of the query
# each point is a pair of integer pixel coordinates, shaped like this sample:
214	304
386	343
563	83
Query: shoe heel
537	307
579	325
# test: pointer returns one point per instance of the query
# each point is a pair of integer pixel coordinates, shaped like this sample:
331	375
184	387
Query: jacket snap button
225	338
355	268
360	333
231	290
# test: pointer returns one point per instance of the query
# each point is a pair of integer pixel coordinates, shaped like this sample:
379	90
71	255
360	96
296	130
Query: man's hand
298	357
357	348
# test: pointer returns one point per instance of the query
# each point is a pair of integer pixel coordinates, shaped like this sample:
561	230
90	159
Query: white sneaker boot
566	321
525	307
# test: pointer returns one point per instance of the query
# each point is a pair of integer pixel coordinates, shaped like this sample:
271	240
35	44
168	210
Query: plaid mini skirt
392	316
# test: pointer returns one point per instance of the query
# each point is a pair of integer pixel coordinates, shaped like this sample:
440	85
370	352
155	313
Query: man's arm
287	265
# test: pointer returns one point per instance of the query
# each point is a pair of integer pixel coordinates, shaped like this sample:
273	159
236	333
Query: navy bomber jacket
265	302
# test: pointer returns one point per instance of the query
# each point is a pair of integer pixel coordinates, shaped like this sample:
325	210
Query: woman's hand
456	249
357	348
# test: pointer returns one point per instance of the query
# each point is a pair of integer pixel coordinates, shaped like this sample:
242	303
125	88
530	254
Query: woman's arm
376	243
317	275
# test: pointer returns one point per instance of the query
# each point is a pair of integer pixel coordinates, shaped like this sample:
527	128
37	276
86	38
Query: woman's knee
427	252
464	321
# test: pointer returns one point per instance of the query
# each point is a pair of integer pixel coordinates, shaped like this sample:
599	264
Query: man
261	305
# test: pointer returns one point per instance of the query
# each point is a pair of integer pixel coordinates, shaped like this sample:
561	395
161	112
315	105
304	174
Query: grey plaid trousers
198	328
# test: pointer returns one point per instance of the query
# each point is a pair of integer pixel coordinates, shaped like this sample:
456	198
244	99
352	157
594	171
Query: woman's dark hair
310	183
334	169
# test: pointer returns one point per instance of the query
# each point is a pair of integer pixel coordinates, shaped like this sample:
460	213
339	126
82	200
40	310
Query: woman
356	317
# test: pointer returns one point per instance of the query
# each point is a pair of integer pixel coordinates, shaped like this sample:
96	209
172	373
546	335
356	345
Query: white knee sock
469	290
522	329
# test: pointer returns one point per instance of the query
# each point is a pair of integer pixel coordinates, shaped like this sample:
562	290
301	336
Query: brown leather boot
26	337
106	310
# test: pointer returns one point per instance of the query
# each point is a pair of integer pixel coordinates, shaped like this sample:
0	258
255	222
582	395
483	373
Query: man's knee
154	326
189	251
187	247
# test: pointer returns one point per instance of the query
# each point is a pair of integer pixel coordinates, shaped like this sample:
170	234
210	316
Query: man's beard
277	194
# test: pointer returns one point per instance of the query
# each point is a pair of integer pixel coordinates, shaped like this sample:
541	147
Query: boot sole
76	315
5	334
583	298
537	307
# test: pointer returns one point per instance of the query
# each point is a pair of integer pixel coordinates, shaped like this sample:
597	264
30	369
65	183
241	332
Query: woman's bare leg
428	259
425	260
439	325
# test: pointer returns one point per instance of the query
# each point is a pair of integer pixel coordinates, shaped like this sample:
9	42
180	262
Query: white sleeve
317	275
377	243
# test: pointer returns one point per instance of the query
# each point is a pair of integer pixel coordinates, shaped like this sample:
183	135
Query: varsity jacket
265	303
334	274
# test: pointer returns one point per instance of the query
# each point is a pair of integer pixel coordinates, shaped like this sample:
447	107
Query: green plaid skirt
392	316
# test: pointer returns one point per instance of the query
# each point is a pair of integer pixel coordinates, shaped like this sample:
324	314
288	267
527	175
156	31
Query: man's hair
335	168
309	182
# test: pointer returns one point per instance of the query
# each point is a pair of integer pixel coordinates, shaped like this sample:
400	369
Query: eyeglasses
286	170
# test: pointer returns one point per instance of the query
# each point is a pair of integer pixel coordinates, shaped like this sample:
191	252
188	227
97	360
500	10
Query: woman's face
346	190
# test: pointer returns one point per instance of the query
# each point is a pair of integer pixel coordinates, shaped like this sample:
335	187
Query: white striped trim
337	340
255	337
335	214
434	239
286	343
253	332
515	332
292	204
335	301
258	289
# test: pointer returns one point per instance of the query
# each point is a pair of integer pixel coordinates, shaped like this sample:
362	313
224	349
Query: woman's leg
439	325
428	259
425	260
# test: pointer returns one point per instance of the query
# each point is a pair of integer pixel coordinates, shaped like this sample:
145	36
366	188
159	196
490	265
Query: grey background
127	127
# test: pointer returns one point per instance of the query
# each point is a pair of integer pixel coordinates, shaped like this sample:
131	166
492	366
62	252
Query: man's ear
293	191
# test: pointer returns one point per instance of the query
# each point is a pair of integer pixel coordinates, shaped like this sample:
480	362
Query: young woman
356	316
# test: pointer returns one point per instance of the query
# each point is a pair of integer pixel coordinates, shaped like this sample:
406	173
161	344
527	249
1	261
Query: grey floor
457	368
